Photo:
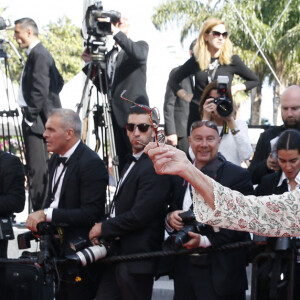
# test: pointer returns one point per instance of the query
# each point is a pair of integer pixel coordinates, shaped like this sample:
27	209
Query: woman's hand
237	88
167	159
185	95
209	108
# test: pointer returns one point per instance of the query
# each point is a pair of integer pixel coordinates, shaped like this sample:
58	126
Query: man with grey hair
38	94
76	200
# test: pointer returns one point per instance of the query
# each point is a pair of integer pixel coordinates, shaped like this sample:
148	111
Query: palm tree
280	48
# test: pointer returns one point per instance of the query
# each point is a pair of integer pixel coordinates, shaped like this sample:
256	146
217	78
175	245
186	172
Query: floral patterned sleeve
275	215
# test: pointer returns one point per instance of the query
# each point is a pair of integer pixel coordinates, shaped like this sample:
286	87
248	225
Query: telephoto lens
88	255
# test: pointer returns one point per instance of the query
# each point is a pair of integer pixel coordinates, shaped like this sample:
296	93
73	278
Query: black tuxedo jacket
12	191
258	167
140	207
176	110
83	193
41	84
268	185
130	75
228	268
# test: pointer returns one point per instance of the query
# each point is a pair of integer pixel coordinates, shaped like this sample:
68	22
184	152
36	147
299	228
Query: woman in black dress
212	57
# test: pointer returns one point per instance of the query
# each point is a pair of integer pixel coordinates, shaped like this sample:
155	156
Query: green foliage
64	42
281	47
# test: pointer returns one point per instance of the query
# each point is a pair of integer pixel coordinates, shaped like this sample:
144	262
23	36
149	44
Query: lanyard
54	190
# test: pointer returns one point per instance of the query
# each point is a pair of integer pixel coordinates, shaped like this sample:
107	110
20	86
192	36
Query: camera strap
225	130
54	190
212	69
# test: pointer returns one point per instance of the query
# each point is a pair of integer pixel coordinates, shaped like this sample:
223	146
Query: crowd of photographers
147	206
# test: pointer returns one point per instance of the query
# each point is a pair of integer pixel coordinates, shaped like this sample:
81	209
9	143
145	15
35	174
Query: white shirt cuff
204	241
49	214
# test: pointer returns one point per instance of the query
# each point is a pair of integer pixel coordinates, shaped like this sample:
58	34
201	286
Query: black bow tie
130	158
61	160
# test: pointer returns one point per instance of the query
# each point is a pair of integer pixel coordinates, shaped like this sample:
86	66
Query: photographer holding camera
136	223
126	66
235	144
219	275
77	196
212	57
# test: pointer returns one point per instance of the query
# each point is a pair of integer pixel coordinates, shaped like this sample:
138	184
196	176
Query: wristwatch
235	131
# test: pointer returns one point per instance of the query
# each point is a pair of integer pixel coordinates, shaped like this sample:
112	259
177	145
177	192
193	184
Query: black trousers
36	155
123	146
80	287
194	282
117	283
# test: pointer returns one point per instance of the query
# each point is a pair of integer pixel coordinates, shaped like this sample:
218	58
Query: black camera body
97	28
224	104
85	254
176	240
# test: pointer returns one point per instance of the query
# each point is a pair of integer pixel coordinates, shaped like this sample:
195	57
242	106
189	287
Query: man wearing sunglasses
137	217
219	275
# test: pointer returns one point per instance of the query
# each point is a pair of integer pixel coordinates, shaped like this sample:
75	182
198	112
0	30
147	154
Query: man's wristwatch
235	131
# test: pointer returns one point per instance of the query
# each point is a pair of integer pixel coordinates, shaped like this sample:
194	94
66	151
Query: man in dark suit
176	112
137	218
38	95
220	275
77	194
12	191
264	162
126	70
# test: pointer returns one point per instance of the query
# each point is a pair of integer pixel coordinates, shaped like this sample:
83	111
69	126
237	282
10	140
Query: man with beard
264	160
136	223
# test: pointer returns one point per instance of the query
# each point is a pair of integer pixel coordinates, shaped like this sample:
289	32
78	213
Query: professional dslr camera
224	104
176	240
85	254
97	28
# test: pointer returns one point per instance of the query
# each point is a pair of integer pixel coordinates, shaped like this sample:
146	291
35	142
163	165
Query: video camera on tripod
95	29
98	26
101	28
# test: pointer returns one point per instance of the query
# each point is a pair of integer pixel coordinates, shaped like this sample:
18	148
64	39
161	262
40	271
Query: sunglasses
154	119
209	124
218	34
142	127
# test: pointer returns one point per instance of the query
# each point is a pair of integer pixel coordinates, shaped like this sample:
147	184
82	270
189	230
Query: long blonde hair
201	52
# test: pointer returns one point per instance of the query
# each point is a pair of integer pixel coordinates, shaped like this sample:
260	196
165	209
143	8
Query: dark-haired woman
284	180
288	177
235	144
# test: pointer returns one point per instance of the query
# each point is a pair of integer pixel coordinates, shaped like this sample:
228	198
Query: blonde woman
212	57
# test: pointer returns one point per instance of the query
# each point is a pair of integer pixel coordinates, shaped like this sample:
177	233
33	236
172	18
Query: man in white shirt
137	218
38	95
216	275
77	196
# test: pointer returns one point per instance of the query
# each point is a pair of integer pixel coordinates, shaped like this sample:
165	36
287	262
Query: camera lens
89	255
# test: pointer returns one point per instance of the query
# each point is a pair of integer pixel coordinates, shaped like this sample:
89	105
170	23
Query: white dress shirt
56	176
